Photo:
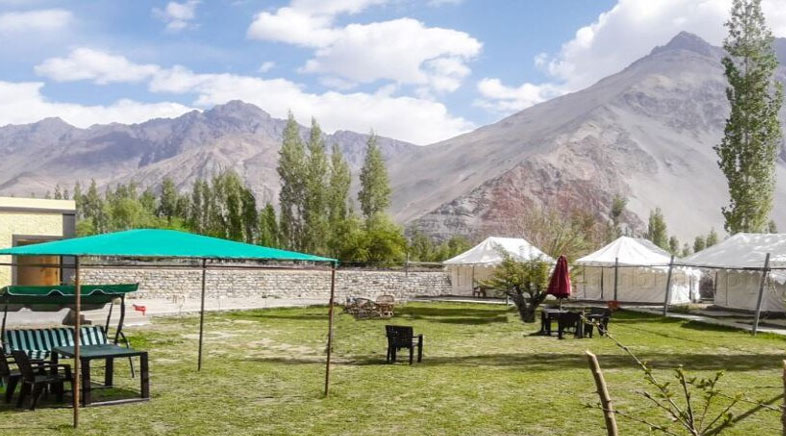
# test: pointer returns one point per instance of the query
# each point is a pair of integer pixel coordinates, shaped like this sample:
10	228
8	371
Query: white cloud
177	16
403	50
22	102
266	66
628	31
407	118
500	98
98	66
42	20
418	120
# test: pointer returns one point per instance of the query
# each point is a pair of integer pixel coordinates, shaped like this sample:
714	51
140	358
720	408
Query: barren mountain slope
646	133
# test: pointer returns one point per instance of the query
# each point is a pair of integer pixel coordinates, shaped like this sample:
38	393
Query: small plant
694	405
524	282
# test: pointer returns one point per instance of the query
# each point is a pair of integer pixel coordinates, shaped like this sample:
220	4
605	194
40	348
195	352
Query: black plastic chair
35	379
8	377
601	316
400	337
570	321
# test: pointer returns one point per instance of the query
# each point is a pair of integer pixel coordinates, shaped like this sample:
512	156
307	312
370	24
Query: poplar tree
374	195
656	229
315	196
291	171
712	238
699	244
338	191
749	149
268	227
167	206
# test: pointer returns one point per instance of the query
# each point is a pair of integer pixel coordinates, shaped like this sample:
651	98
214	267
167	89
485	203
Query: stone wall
239	283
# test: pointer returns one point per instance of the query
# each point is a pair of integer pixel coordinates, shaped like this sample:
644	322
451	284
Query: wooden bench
38	343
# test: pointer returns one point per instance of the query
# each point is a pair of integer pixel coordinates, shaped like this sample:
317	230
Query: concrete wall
166	283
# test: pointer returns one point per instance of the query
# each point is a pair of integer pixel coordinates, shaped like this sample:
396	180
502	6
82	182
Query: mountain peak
237	109
686	41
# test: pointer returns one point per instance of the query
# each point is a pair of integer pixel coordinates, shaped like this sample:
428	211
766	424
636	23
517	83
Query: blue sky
418	70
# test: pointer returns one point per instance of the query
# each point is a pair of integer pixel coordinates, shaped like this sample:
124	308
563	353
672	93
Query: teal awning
56	297
157	243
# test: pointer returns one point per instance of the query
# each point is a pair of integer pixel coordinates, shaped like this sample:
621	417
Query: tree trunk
526	310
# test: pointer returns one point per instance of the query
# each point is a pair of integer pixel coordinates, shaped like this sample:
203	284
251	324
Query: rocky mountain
235	135
646	133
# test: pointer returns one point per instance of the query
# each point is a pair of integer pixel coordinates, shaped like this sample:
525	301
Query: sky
416	70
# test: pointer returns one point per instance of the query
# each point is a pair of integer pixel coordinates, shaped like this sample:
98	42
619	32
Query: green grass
482	374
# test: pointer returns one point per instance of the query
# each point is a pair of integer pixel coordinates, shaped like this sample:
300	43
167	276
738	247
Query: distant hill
235	135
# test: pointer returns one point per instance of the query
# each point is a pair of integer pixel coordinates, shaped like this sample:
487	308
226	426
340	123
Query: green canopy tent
160	244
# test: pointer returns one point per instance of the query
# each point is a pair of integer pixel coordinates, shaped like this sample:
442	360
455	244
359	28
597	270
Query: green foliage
686	250
315	207
656	229
167	205
699	244
674	245
268	227
572	234
524	282
712	238
749	148
374	195
386	243
292	172
421	248
338	187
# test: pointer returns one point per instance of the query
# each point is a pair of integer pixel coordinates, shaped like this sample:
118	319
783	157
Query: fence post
668	288
603	393
764	272
783	408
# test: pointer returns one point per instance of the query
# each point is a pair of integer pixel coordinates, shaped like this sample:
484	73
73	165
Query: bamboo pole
603	393
77	333
764	272
668	288
202	315
330	328
783	408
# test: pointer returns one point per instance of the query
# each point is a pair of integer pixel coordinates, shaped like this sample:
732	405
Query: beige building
31	220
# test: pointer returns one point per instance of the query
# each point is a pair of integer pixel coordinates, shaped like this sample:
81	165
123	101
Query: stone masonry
244	283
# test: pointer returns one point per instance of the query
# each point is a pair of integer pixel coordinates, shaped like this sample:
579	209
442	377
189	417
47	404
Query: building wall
32	217
166	283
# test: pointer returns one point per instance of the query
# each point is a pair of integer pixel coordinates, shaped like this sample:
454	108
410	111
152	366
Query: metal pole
2	331
668	288
330	328
616	276
77	332
202	315
764	272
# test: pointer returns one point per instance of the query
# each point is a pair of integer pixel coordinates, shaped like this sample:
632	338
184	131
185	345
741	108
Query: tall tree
291	170
167	206
315	213
712	238
268	227
749	148
374	195
338	191
250	216
699	244
656	229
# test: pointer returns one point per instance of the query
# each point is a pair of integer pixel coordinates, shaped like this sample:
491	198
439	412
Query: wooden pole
783	408
763	281
603	393
616	276
668	288
330	328
77	332
202	315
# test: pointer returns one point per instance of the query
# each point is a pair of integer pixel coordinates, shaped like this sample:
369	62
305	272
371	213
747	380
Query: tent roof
92	295
743	250
158	243
630	252
488	252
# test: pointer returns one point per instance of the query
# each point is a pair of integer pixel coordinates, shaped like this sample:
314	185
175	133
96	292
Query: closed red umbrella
559	285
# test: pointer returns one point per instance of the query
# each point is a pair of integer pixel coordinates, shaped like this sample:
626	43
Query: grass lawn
482	374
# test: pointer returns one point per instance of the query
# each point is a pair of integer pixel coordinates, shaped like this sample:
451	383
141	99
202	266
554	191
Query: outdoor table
548	315
108	352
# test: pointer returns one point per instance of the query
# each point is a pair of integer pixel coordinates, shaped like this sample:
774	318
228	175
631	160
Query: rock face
646	133
235	135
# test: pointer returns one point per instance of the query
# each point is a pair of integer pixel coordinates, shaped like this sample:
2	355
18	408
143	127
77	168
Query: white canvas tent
477	263
637	271
739	261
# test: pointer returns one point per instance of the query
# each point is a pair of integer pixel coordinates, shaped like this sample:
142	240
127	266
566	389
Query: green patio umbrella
159	244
